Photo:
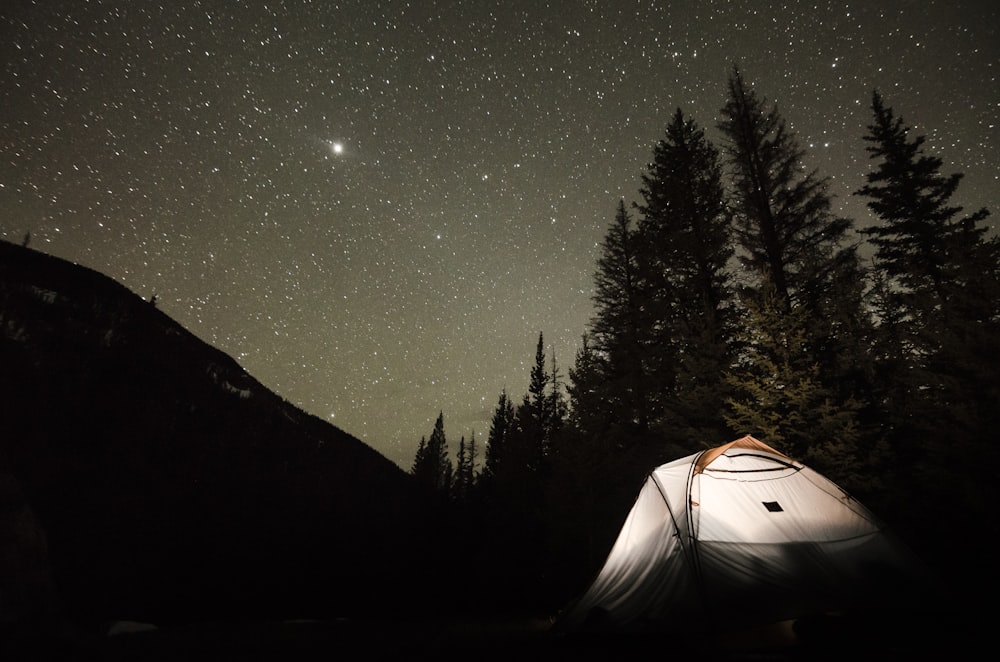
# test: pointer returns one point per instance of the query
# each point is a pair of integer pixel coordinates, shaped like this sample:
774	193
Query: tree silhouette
921	242
785	230
938	300
685	245
501	429
432	465
778	395
617	327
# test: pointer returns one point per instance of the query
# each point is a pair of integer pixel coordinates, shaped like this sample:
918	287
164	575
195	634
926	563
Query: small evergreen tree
432	465
465	470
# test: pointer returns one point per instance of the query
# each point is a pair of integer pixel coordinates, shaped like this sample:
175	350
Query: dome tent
741	533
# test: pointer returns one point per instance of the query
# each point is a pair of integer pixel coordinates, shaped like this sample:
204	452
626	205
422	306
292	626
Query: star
181	161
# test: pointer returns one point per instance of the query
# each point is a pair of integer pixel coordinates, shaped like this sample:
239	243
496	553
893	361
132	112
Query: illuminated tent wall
740	533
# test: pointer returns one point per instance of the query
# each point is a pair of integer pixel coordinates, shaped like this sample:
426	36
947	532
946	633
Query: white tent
740	533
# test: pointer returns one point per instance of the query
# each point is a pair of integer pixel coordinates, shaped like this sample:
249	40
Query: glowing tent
741	533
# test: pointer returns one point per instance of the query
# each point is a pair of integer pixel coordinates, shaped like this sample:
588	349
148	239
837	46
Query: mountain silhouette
145	475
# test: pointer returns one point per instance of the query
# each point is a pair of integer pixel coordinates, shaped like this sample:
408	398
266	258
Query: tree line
731	299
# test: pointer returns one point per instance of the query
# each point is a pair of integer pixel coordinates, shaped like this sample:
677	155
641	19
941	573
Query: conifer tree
787	235
459	486
778	396
501	428
939	268
617	326
938	298
532	414
419	467
590	413
465	470
922	241
432	465
471	453
685	245
556	407
794	252
594	471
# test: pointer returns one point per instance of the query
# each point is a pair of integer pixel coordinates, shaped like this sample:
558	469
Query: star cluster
377	206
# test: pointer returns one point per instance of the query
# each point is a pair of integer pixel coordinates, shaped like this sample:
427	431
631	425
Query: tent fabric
744	532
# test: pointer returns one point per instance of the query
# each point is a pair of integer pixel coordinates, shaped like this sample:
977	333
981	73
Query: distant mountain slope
170	484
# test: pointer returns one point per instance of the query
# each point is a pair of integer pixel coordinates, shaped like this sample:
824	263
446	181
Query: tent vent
773	506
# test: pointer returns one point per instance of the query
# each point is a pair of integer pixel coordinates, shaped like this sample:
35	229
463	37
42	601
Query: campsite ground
828	639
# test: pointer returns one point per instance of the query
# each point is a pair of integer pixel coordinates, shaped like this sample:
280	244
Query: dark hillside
165	482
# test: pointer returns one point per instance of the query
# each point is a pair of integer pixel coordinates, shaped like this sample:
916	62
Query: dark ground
826	638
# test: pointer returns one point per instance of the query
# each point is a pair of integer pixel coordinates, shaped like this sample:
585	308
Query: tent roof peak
747	442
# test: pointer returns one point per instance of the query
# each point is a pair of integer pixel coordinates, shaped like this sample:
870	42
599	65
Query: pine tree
470	478
501	428
465	470
780	398
556	407
532	414
617	326
590	414
939	268
785	230
460	487
432	465
420	466
685	245
938	298
921	242
795	253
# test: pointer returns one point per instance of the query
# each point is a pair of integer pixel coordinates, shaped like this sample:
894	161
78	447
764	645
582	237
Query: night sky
375	206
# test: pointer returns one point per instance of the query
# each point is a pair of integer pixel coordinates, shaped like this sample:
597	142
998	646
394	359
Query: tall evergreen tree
922	241
778	396
938	272
685	245
590	413
793	250
471	474
939	300
501	429
464	483
461	484
556	407
420	466
616	328
786	232
515	477
532	415
594	472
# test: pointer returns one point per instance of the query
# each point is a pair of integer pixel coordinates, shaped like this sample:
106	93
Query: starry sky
376	206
